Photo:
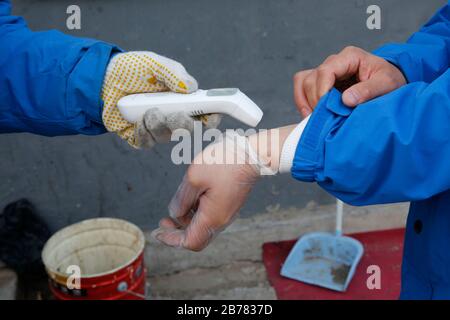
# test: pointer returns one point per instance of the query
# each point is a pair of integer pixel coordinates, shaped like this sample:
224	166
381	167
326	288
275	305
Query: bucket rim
54	274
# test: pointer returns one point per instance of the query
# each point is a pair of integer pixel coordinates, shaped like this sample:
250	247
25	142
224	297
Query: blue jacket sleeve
392	149
49	82
426	55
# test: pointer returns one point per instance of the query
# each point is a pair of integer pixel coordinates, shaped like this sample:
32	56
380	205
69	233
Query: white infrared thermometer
229	101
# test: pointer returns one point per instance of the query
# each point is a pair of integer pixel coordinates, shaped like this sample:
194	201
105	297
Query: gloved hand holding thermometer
228	101
146	72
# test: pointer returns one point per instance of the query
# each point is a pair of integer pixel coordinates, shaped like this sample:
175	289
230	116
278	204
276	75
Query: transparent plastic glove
139	72
213	190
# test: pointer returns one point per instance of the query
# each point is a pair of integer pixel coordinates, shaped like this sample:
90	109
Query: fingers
212	120
325	80
168	223
151	129
374	87
156	127
318	83
185	229
172	237
212	216
299	93
311	85
199	233
345	64
195	237
176	230
203	226
178	120
173	74
310	89
155	124
169	233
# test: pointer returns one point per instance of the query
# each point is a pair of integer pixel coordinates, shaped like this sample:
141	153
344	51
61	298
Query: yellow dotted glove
139	72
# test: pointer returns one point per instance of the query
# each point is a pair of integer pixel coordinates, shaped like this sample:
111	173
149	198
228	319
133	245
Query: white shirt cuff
290	145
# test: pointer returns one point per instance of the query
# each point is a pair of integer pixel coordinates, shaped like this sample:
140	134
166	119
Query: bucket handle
123	287
138	295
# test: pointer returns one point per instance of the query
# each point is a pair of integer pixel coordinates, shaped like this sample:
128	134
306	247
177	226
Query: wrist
268	145
276	148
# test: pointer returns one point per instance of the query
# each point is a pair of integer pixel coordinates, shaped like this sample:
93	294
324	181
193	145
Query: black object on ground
22	236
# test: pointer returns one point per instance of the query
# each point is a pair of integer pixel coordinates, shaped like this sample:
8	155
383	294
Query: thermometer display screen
221	92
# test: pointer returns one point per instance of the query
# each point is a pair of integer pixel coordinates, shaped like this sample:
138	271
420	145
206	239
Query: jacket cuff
398	56
290	145
85	82
309	157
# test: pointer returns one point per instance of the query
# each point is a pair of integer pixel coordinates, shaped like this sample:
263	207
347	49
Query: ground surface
232	267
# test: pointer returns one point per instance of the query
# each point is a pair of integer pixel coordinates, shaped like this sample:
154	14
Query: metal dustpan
324	259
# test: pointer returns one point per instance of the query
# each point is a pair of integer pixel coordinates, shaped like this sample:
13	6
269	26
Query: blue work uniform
395	148
50	83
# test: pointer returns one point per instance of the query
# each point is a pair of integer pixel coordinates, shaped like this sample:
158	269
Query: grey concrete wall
255	45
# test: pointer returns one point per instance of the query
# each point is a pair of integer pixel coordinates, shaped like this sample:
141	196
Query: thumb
367	90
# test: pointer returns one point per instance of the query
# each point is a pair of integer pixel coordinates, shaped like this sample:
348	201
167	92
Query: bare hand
360	75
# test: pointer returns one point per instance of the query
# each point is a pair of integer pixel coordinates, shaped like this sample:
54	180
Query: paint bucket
96	259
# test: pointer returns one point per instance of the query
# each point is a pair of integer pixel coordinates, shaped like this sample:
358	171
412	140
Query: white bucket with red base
107	256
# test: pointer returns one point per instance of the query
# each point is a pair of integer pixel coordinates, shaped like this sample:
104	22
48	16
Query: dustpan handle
339	214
